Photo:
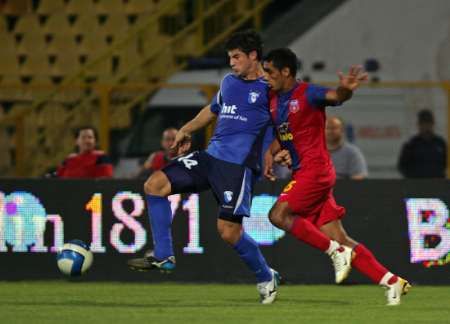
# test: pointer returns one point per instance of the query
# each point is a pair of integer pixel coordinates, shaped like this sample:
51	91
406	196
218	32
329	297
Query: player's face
241	63
86	140
334	130
273	76
168	138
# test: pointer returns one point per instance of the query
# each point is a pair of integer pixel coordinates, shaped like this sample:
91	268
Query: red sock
305	231
366	263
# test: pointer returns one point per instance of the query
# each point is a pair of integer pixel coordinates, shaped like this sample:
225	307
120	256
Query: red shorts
310	195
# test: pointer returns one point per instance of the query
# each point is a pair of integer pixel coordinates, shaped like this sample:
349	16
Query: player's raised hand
180	139
353	78
185	146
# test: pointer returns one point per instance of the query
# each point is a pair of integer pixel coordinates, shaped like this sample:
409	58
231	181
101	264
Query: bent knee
276	217
229	232
158	185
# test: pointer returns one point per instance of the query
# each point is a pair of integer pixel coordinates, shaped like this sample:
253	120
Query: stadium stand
77	54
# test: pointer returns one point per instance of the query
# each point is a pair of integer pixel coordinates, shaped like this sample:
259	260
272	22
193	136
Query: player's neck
255	72
288	85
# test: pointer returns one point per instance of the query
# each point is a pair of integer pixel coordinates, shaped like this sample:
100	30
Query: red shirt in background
93	164
159	161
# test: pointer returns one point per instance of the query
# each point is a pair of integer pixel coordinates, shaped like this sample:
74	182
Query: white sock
385	279
333	246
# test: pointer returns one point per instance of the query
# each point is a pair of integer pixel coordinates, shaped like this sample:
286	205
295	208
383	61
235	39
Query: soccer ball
74	258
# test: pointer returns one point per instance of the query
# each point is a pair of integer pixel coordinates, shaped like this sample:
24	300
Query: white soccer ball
74	258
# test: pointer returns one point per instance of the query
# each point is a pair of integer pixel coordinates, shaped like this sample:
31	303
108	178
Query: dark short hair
79	129
246	41
425	116
283	58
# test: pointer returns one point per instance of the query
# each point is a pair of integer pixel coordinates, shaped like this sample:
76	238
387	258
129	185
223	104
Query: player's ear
253	55
285	72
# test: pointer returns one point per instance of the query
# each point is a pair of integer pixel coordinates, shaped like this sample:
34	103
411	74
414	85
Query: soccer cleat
395	291
342	262
268	289
149	262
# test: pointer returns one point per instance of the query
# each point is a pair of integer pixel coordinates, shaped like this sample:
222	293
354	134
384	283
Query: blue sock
250	253
160	216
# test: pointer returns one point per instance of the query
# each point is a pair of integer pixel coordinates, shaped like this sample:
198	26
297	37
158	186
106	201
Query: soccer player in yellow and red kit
298	113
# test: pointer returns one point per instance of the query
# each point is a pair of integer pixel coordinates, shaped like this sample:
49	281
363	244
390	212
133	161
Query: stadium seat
139	6
61	44
47	7
29	44
109	6
99	71
79	7
115	26
28	23
7	42
3	26
9	67
127	59
35	64
86	24
65	65
92	44
57	24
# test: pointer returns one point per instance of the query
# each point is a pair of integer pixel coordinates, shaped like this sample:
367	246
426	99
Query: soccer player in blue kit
229	167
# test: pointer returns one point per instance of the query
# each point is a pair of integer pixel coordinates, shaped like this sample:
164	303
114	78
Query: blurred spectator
159	159
88	162
425	154
5	147
348	159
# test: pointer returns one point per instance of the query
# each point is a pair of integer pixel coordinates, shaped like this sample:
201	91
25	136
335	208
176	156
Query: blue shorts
231	184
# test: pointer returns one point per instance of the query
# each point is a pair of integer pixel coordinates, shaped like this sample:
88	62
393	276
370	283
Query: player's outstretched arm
203	118
347	84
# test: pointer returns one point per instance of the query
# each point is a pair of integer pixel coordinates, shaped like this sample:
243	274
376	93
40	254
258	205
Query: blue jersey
243	116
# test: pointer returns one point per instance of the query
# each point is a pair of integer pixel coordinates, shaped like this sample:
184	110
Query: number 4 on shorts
188	163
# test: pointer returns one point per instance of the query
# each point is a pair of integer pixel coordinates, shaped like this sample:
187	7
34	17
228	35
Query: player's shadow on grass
315	301
161	304
281	299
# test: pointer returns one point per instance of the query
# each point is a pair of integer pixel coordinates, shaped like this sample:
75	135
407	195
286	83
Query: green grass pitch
114	303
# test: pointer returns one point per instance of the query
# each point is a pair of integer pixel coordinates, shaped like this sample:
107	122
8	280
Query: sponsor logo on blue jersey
231	112
253	96
228	109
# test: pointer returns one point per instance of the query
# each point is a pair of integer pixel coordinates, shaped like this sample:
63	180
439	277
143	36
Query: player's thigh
335	231
232	186
187	173
279	211
304	196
